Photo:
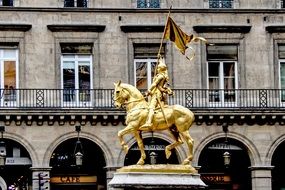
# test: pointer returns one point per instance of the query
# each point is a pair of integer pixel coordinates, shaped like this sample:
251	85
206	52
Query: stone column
110	170
41	178
261	177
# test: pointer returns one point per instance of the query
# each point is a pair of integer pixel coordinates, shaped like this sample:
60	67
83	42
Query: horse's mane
132	90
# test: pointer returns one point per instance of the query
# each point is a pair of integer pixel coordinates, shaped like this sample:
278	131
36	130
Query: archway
65	174
16	173
155	151
218	174
278	175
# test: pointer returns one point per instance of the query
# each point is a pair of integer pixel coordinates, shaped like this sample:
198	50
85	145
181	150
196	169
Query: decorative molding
15	27
142	28
222	28
75	28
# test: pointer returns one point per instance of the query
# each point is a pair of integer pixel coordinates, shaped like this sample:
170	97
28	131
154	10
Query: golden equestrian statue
156	116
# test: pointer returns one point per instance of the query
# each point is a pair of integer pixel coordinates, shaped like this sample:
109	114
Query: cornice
142	28
76	28
222	28
15	27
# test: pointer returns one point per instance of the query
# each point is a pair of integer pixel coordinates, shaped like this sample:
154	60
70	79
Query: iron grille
221	3
148	4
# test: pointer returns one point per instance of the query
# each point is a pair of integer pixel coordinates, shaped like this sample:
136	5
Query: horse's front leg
121	134
141	147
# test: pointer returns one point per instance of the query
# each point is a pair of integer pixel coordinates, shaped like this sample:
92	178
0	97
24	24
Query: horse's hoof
126	148
186	162
140	162
167	153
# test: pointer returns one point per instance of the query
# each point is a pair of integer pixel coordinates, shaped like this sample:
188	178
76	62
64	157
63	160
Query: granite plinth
157	177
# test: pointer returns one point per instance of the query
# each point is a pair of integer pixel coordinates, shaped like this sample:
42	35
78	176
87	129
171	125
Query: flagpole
158	55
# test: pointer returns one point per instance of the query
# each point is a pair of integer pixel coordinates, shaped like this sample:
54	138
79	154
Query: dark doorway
221	176
155	151
278	175
66	175
16	172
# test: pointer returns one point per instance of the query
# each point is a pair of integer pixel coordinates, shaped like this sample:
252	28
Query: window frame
15	96
221	92
221	4
148	4
77	92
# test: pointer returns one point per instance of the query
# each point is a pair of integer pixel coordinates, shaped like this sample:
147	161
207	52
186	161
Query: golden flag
176	35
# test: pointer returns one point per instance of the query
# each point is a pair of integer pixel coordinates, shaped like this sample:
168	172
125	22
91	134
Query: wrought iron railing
220	3
98	99
148	4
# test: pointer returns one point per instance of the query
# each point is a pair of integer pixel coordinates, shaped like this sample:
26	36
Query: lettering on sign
216	178
151	147
73	179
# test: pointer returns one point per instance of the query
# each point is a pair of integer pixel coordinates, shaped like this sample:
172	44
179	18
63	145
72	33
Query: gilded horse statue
176	119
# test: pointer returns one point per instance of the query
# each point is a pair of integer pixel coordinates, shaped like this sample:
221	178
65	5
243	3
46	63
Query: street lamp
2	147
78	150
226	154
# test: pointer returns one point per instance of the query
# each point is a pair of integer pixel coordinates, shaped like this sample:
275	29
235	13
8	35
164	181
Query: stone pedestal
157	177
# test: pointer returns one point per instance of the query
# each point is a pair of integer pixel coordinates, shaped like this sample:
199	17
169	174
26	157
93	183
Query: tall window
144	64
6	2
8	73
222	73
75	3
76	72
148	4
281	56
220	3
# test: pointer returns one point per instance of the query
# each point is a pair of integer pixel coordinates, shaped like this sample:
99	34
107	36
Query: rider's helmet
161	65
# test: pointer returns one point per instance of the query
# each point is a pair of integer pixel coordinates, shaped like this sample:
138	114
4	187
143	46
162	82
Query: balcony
98	99
97	105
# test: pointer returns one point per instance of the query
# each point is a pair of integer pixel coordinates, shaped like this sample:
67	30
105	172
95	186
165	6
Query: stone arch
3	184
180	150
272	149
107	152
253	153
26	144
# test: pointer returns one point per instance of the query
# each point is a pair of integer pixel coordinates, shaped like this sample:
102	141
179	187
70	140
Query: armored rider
157	91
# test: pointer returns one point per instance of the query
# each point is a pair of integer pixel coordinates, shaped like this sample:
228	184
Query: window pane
10	80
7	2
9	53
84	82
229	70
68	75
213	69
148	4
81	3
76	48
147	51
141	75
68	3
282	80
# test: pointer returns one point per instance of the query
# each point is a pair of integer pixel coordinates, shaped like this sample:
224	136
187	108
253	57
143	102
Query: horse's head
120	95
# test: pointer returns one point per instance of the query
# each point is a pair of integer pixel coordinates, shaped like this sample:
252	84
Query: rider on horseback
158	91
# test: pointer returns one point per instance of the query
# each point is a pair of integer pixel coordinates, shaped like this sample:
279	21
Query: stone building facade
60	58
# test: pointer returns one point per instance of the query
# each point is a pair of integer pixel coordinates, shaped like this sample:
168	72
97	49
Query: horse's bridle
126	103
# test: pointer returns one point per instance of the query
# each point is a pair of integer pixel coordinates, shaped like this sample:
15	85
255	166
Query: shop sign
73	179
150	147
216	178
18	161
224	146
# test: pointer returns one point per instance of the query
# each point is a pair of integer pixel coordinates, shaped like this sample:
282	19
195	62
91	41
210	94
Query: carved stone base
157	177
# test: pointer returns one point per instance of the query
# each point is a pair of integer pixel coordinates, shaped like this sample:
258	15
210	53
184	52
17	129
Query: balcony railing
220	3
103	99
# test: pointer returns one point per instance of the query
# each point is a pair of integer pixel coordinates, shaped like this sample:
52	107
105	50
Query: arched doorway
155	152
16	173
278	176
218	174
66	175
